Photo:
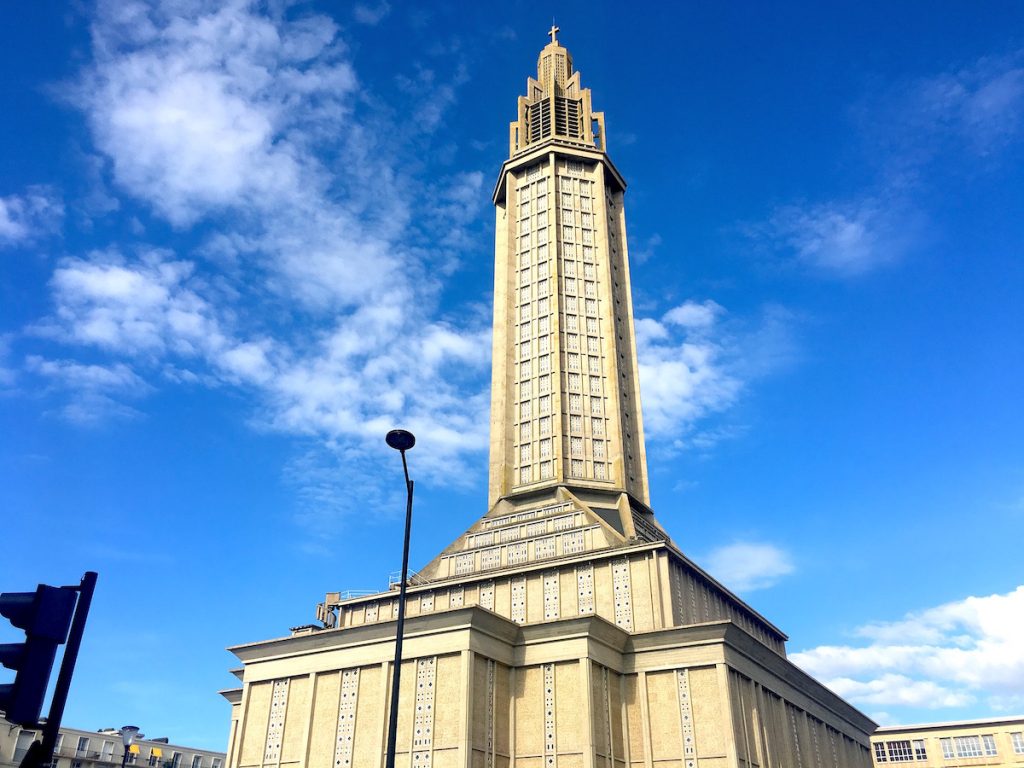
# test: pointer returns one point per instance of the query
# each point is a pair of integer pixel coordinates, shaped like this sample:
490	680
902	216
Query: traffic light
45	615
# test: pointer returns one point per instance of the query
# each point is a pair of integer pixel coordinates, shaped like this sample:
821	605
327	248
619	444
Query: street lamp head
128	733
400	439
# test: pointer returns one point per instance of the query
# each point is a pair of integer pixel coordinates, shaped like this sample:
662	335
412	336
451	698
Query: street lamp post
401	441
128	734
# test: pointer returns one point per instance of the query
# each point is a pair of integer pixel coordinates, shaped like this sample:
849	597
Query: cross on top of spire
552	32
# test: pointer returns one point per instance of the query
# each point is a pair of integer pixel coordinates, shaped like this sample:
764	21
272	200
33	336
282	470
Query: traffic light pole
41	753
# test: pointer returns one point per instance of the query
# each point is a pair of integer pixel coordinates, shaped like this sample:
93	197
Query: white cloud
695	361
316	287
842	239
371	14
945	656
694	315
25	217
747	566
978	107
98	392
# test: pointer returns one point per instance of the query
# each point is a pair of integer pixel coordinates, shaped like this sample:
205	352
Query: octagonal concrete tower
565	408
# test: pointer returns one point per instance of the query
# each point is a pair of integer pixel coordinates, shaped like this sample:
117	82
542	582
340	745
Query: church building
565	628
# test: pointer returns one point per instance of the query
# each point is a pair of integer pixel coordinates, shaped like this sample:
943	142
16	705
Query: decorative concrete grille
814	740
371	612
544	547
572	543
549	716
564	523
464	564
796	736
623	598
585	587
677	594
686	718
489	755
275	726
346	718
516	553
551	595
490	558
509	534
537	529
606	705
456	597
835	753
693	598
519	600
427	603
487	595
423	723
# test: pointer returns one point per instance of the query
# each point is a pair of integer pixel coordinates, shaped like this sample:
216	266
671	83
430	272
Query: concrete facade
104	749
998	742
565	628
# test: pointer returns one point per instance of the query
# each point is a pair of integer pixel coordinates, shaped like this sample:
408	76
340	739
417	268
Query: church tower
565	392
564	628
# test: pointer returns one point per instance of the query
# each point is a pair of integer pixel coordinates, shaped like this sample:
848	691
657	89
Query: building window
990	744
919	751
197	761
967	746
899	751
880	753
176	760
83	745
1017	739
947	748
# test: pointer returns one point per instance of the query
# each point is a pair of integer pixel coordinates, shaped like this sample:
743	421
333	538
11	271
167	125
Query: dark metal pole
397	671
44	754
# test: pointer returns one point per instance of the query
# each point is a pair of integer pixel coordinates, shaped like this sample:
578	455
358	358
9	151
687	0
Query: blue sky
239	242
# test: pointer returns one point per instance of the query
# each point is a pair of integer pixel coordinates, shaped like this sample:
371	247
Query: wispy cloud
30	215
947	656
975	111
746	566
310	288
371	15
97	392
843	239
